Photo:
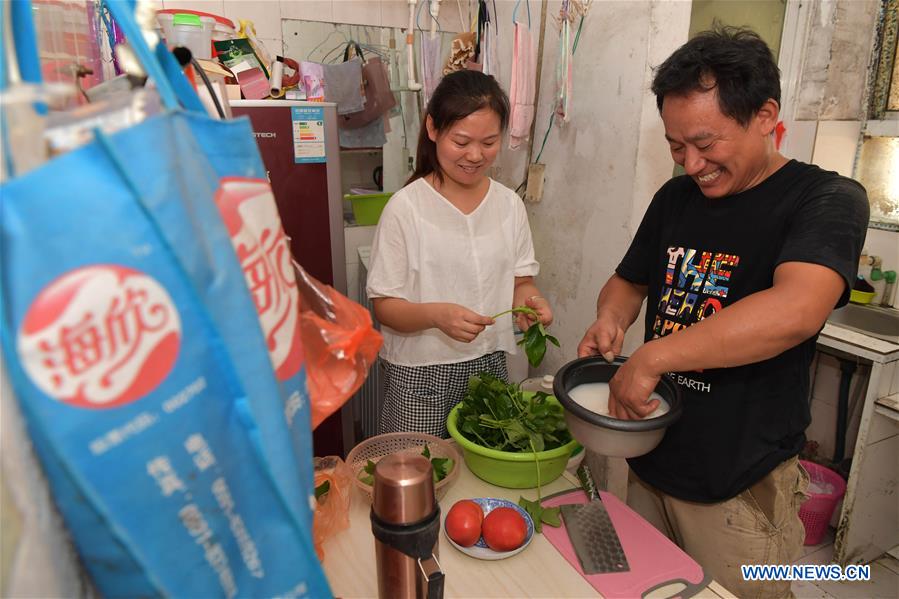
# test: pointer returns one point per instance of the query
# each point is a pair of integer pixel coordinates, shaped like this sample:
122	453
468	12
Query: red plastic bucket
826	488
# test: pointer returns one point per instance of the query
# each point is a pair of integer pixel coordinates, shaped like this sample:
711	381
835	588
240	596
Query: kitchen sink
882	323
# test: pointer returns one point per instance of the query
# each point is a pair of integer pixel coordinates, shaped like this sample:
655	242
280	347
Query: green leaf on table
551	516
367	474
426	452
539	514
322	490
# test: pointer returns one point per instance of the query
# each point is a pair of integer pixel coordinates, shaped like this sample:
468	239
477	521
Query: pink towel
522	87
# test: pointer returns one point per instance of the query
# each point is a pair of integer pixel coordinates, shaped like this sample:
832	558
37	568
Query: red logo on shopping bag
248	208
100	337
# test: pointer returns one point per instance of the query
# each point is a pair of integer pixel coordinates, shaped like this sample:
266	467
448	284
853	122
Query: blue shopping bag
230	184
167	447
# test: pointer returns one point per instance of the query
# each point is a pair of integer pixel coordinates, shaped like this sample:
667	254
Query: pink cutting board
654	560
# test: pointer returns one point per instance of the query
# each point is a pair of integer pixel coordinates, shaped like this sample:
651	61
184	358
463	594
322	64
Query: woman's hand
458	322
541	307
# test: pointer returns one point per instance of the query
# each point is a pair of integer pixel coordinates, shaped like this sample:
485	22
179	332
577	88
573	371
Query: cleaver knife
591	532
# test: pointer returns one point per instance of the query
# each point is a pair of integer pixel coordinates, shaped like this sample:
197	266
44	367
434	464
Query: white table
538	571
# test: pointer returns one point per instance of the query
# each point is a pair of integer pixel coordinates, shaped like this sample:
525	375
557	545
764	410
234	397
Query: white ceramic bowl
603	434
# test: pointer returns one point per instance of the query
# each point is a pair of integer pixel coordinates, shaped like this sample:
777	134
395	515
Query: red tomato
504	529
463	522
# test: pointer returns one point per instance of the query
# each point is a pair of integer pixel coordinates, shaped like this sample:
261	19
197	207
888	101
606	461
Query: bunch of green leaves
535	338
441	468
496	415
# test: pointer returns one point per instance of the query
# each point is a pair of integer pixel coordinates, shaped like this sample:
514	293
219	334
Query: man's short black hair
733	59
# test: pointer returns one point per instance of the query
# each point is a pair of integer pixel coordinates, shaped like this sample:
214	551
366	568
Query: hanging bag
376	85
168	456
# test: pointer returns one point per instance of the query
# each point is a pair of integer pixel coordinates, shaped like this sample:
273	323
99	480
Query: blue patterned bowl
480	550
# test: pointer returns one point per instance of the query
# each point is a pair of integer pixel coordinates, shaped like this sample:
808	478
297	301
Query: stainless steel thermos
405	520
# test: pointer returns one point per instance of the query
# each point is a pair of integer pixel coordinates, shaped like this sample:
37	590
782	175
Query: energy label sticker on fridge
308	134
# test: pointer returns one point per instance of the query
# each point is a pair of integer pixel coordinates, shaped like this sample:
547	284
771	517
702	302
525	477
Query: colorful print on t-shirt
696	285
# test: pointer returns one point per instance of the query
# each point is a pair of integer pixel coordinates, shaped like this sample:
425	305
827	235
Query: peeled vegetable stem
538	513
535	338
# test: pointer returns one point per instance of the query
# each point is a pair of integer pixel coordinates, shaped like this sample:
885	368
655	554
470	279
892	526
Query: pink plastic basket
826	488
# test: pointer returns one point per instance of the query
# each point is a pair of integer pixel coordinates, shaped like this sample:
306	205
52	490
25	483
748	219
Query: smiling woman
452	247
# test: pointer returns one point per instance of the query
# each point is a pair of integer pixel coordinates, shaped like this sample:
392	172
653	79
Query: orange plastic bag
340	343
332	508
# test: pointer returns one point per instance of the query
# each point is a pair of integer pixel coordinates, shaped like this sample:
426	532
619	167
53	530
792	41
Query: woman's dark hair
734	60
457	95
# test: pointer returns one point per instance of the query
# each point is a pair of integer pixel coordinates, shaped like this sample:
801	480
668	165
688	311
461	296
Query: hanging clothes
485	53
522	87
429	63
563	66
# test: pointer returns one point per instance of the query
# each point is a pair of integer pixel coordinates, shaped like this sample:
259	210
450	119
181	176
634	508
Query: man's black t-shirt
699	255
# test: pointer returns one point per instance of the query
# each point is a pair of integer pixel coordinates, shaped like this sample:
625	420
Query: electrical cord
208	84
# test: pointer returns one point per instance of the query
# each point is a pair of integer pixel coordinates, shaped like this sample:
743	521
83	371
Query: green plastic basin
508	469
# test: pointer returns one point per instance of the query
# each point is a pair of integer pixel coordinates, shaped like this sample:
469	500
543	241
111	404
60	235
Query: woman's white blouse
426	250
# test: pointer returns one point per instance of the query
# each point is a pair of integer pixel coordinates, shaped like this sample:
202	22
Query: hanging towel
430	64
522	87
343	85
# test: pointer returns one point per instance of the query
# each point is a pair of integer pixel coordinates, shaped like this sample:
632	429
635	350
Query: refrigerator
300	150
298	143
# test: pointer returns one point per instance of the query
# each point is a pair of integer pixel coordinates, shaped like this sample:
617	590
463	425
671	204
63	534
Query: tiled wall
267	14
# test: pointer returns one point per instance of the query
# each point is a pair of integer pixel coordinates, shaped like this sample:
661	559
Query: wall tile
265	14
395	13
309	10
835	145
216	7
357	12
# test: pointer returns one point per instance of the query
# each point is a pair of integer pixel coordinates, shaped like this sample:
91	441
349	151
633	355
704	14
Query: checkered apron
419	398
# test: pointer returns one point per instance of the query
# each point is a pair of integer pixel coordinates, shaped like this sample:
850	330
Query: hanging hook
515	12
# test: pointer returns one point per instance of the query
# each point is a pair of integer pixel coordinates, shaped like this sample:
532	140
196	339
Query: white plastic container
191	31
537	383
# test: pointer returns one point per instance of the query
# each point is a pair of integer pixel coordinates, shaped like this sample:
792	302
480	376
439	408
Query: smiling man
742	259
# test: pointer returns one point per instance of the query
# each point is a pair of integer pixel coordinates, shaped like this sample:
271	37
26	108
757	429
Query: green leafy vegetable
535	338
367	474
496	414
322	490
539	514
441	466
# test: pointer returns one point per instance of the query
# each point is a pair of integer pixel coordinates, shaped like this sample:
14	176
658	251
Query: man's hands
635	380
605	338
632	385
458	322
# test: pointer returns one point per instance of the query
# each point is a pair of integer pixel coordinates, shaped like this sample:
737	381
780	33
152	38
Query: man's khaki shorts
759	526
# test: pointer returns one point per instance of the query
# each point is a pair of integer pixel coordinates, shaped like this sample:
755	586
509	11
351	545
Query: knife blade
592	533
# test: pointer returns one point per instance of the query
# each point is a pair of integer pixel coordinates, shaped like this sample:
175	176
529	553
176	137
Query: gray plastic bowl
603	434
